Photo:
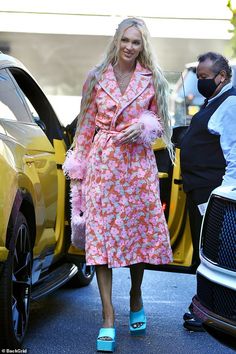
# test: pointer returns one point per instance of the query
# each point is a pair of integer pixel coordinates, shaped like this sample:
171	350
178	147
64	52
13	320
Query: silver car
215	302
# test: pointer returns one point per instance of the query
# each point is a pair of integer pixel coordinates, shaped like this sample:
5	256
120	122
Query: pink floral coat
125	223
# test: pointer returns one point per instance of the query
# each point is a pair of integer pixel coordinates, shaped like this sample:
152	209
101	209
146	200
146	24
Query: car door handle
178	181
28	160
162	175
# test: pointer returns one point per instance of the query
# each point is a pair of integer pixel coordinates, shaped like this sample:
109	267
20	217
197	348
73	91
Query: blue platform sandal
137	322
106	340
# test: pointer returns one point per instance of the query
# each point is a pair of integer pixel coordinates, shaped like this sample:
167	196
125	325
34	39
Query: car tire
83	277
15	287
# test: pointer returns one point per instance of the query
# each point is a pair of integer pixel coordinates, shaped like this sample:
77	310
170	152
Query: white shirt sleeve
223	123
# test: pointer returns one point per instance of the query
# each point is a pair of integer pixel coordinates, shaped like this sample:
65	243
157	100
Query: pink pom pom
73	167
152	128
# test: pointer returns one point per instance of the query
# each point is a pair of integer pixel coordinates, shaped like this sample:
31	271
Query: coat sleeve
75	163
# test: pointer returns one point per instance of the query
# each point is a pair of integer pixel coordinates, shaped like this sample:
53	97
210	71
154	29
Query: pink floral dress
125	223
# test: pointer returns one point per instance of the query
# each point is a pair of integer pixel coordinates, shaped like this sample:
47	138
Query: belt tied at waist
110	133
107	131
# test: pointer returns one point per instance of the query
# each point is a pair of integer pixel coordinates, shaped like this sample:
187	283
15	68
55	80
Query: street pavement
68	320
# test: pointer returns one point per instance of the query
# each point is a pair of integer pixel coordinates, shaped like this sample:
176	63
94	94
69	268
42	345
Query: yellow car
34	213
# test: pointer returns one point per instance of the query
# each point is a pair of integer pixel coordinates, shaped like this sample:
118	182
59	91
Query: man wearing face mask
208	149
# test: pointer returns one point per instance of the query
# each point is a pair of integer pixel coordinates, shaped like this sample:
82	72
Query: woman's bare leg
136	274
104	280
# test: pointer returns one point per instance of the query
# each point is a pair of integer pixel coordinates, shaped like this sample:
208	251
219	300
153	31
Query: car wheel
84	276
15	287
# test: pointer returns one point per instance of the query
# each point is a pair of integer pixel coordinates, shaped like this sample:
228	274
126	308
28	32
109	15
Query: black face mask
207	87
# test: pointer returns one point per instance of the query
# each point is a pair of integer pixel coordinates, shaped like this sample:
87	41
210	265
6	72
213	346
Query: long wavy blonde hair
148	60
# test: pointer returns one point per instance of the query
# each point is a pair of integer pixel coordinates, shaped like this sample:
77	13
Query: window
12	106
39	107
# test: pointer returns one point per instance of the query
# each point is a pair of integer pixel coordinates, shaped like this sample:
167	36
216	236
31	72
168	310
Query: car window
187	99
33	111
190	89
177	104
39	107
175	80
12	106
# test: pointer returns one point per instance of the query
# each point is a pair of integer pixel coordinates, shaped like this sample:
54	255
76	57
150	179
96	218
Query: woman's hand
129	135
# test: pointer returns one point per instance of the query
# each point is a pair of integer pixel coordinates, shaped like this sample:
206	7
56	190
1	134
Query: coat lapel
138	83
109	84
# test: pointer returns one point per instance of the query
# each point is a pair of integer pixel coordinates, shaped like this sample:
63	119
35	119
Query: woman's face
131	45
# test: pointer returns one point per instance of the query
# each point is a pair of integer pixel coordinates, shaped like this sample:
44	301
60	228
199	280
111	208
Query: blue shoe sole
136	317
106	345
137	332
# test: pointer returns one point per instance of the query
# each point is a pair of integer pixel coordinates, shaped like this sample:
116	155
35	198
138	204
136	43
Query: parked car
185	99
35	252
215	302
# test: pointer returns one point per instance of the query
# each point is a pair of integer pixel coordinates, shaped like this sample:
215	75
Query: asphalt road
68	320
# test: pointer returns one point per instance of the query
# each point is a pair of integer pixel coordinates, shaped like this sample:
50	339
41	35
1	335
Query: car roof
7	61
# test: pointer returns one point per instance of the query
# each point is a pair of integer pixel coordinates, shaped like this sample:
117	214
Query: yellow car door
171	189
34	162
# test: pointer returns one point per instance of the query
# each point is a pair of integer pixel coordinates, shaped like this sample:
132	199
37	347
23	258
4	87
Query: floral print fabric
125	223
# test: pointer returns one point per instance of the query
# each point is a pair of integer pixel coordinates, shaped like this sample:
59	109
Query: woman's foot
108	318
136	302
106	340
137	315
137	322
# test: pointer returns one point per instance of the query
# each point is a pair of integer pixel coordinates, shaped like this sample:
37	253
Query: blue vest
201	157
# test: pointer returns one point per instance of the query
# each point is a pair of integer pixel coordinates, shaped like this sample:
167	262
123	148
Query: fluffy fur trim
78	229
77	217
77	198
73	167
152	128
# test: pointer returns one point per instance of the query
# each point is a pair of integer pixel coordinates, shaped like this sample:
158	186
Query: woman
125	102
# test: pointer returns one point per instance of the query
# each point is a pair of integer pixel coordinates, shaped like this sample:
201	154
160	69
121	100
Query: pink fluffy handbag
78	228
75	170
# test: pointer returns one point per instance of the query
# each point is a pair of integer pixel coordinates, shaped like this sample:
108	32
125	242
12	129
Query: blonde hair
148	60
